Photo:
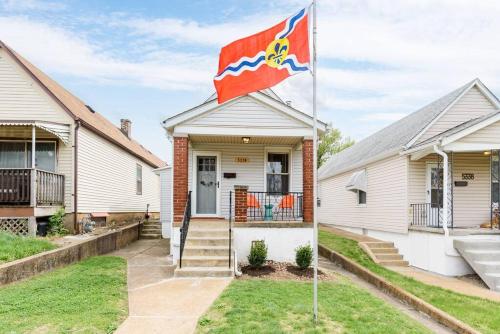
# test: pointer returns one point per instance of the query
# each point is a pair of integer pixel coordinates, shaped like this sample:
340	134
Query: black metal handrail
427	215
185	226
230	214
274	206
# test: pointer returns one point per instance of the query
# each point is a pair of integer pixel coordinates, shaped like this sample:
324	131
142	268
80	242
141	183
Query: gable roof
81	112
267	97
395	137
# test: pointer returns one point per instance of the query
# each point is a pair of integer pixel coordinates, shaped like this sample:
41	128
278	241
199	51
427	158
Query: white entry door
434	194
206	180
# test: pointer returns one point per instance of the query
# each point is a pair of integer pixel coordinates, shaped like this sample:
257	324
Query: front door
434	194
207	184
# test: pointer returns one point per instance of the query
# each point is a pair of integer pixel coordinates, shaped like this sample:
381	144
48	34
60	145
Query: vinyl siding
470	203
489	134
386	206
472	105
250	174
246	112
107	178
23	99
166	200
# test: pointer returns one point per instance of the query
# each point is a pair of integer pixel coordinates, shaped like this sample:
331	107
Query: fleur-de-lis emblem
276	52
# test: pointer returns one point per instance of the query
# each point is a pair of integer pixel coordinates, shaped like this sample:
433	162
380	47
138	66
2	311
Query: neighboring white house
397	186
248	160
82	162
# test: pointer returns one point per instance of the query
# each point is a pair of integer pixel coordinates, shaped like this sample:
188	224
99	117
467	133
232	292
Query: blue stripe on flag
293	66
292	22
244	63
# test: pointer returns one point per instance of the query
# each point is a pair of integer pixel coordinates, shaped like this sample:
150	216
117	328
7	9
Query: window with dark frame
277	172
17	154
138	174
361	197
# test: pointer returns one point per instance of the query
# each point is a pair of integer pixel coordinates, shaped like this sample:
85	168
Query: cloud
63	51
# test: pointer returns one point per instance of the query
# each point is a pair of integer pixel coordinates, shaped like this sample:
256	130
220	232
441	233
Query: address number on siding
241	160
467	176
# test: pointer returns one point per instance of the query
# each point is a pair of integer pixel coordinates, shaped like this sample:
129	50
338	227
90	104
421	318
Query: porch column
180	176
240	204
307	180
33	166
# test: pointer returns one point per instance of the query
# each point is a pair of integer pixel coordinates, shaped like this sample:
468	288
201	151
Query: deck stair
383	253
206	252
151	229
483	255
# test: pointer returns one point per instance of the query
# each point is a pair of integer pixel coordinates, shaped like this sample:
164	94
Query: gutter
75	178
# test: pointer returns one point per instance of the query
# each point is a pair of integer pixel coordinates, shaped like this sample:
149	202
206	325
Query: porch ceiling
44	130
239	140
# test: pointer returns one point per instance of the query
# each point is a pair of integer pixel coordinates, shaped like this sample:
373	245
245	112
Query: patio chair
254	204
285	207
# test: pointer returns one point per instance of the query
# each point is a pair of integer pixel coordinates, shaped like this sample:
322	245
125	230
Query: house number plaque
241	160
467	176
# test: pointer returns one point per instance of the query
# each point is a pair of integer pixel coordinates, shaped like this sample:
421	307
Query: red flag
263	60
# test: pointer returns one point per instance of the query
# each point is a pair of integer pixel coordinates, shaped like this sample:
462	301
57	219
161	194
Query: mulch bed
283	271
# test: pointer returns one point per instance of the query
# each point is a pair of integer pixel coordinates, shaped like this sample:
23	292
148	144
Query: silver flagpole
315	170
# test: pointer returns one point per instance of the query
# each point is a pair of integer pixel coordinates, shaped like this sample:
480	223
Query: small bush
304	256
56	223
258	253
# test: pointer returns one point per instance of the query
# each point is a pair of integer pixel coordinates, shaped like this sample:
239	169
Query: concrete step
217	224
383	257
384	250
208	232
206	251
202	241
150	236
396	263
379	244
205	261
203	272
479	244
151	229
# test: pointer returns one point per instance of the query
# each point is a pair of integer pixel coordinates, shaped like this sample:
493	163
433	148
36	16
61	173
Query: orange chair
286	203
253	203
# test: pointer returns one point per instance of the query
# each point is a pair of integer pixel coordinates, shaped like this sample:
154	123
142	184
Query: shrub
304	256
56	223
258	253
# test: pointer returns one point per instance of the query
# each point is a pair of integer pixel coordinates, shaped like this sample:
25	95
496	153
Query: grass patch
484	315
87	297
267	306
13	247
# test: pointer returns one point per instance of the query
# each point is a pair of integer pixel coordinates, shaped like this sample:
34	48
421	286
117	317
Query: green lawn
481	314
267	306
87	297
13	247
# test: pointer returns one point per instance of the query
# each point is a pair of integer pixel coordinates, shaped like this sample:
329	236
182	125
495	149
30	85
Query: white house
246	165
425	182
55	151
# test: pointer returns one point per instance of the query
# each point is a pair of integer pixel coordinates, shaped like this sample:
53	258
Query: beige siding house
423	181
81	161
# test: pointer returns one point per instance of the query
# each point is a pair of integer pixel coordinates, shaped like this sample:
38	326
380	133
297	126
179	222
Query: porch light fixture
245	140
487	153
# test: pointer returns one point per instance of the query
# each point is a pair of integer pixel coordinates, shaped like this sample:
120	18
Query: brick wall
180	177
307	179
240	204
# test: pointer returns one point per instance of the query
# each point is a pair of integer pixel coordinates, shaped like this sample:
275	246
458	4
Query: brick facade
307	179
180	177
240	204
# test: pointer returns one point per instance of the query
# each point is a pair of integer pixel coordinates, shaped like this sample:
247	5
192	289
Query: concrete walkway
159	303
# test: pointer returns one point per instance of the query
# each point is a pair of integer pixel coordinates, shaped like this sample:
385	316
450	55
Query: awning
357	181
62	131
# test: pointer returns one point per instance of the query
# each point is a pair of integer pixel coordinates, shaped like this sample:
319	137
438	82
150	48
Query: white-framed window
278	171
138	179
17	154
361	197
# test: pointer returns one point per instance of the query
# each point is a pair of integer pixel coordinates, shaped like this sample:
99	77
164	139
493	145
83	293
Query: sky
147	60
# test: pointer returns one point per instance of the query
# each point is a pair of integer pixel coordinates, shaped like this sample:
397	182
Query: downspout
75	179
445	189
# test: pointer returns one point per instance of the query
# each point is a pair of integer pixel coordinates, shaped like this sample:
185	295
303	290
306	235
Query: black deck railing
427	215
185	226
274	206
